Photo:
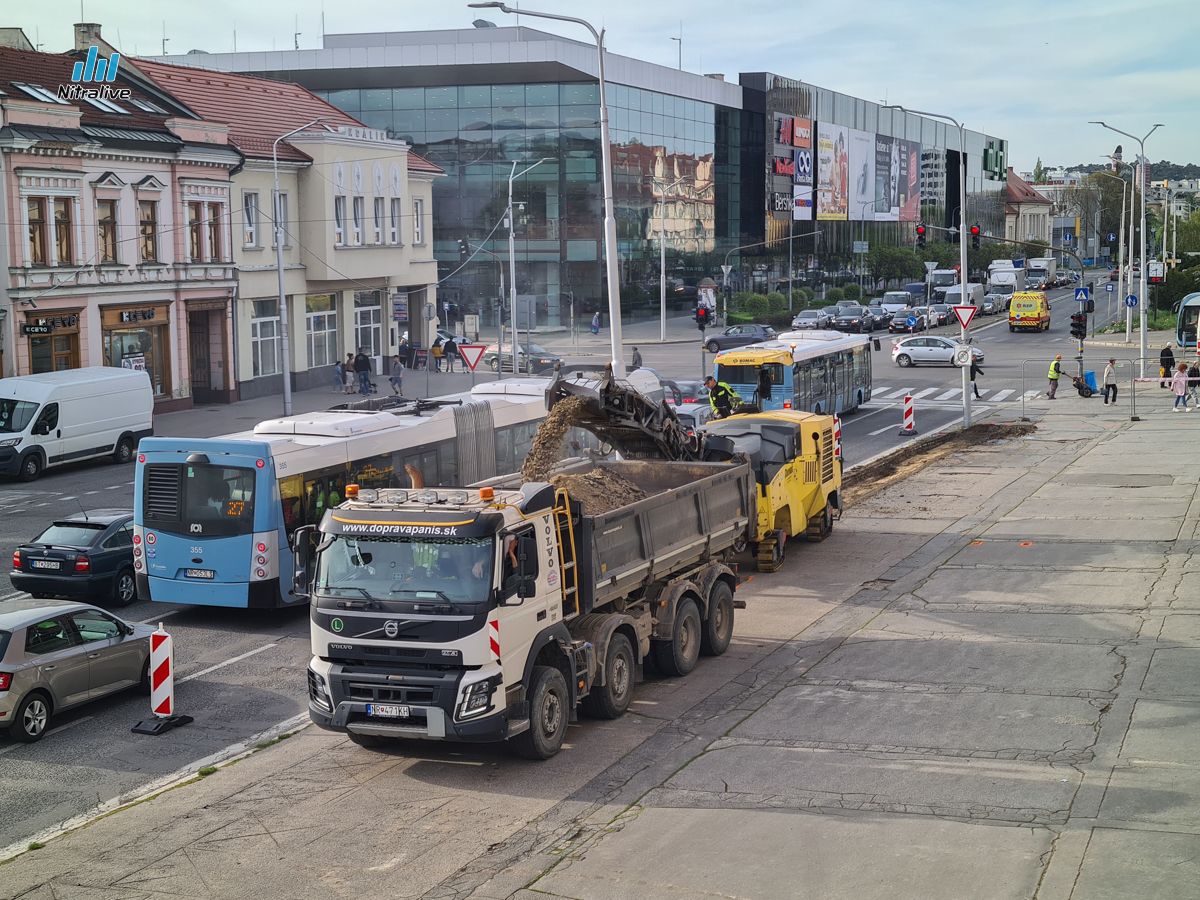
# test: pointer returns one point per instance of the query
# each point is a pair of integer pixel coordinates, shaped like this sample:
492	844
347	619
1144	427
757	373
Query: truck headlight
477	698
318	692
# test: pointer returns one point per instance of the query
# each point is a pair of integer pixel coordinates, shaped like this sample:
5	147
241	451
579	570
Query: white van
974	295
60	417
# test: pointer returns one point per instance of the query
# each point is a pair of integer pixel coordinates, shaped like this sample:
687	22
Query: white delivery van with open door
77	414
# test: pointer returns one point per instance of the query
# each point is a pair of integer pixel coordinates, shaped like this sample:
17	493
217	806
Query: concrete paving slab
1083	589
1122	863
1094	628
1043	668
1180	629
1120	507
794	777
702	853
1075	475
1187	591
1163	730
1068	493
1165	795
986	724
1094	528
1174	672
1005	553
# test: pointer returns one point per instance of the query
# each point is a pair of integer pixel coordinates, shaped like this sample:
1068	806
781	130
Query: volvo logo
391	629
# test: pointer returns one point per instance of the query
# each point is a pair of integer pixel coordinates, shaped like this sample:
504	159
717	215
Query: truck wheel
678	656
369	741
610	700
718	627
549	711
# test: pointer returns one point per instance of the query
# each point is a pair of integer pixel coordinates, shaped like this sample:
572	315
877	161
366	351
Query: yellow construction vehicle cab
799	477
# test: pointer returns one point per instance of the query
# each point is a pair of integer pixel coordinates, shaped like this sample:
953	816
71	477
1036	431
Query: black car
883	318
940	314
89	554
538	360
813	319
900	320
854	318
739	336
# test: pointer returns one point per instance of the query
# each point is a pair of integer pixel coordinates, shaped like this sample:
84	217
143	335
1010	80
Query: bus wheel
548	715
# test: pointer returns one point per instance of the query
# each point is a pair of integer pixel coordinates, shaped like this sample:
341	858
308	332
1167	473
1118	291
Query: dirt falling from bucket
546	451
600	490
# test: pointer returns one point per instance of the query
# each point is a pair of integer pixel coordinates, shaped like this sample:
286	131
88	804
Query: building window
250	219
148	228
281	213
395	225
195	232
37	232
214	232
419	221
62	231
265	338
321	327
106	223
379	220
359	212
339	220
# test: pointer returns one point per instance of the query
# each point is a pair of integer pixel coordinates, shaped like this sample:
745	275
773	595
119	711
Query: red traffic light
974	231
920	229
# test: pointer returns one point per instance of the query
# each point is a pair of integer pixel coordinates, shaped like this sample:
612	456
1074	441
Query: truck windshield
944	279
15	415
458	570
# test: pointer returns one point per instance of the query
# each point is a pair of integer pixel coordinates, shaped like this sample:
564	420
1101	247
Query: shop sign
46	324
137	315
781	202
400	307
36	329
785	166
784	130
802	133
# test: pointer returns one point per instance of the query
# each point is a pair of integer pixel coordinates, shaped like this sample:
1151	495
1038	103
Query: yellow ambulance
1029	309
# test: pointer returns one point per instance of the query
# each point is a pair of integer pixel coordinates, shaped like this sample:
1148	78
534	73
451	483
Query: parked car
88	554
854	318
883	315
812	319
940	314
693	415
993	303
739	336
58	654
927	350
900	321
538	360
681	392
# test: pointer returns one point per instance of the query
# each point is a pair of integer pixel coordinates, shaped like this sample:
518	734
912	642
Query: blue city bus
813	371
1185	325
213	518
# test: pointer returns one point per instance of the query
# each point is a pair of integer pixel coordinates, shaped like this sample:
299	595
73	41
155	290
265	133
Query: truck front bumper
425	723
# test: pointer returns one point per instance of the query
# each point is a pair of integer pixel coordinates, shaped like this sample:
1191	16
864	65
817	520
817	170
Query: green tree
777	301
834	295
852	292
799	299
756	305
1039	174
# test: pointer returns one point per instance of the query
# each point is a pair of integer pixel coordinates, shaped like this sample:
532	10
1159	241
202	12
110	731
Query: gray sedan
58	654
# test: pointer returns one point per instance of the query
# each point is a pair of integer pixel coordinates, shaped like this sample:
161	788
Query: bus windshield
748	375
458	570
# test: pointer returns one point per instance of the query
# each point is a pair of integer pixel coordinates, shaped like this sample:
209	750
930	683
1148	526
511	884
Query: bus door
799	386
818	399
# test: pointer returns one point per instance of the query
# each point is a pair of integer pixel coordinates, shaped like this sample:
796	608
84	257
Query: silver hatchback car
58	654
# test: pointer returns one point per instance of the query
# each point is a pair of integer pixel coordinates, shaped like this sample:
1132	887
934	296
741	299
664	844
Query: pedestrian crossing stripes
1000	395
946	396
924	393
896	395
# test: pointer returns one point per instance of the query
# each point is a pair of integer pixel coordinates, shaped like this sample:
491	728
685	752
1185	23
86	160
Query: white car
931	350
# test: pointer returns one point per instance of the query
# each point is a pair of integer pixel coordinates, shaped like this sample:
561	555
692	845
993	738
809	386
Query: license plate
45	563
201	573
390	712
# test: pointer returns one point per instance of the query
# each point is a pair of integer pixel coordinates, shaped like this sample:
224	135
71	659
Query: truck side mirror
301	557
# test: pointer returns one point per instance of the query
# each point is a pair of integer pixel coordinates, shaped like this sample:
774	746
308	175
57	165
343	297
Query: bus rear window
200	500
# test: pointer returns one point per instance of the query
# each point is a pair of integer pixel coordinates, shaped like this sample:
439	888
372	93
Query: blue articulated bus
1185	325
812	371
213	518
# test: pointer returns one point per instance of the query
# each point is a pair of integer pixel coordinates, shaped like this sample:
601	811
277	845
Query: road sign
1131	301
1111	236
1081	295
861	247
1110	288
912	321
471	354
725	270
930	266
962	354
964	314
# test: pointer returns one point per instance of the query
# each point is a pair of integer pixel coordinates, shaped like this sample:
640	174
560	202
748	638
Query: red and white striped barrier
910	427
162	687
837	437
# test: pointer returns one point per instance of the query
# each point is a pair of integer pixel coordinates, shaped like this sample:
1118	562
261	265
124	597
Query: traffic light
702	317
920	235
1079	325
974	237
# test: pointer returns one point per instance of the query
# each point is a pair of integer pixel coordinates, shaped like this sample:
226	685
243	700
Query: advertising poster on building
802	133
802	202
862	176
833	171
887	178
802	167
910	181
783	129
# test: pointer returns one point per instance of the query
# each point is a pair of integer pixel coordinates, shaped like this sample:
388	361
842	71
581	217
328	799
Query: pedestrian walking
1110	382
1194	383
975	370
1166	364
362	366
348	374
596	323
1054	374
403	352
397	378
1179	384
637	359
338	377
449	352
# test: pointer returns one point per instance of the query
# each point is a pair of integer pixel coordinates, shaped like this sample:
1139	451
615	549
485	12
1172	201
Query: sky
1033	73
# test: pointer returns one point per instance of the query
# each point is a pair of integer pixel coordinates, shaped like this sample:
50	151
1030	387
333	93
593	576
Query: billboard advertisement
802	133
910	180
802	164
862	176
833	171
783	129
887	178
802	202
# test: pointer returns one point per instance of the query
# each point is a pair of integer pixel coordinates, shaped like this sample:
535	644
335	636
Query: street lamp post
610	222
499	312
277	212
662	258
962	243
1121	258
1142	240
512	264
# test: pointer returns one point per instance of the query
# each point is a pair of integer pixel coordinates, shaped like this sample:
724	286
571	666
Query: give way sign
471	354
964	314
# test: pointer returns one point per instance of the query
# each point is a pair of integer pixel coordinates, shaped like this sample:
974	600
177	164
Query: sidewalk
680	330
984	685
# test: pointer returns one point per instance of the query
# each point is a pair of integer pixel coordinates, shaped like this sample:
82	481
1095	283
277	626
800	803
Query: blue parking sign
1110	288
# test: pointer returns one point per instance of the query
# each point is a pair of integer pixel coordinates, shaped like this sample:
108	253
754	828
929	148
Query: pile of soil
867	481
547	445
600	490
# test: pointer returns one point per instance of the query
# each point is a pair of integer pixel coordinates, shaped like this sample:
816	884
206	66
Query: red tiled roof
1010	210
49	70
1019	190
257	110
418	163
